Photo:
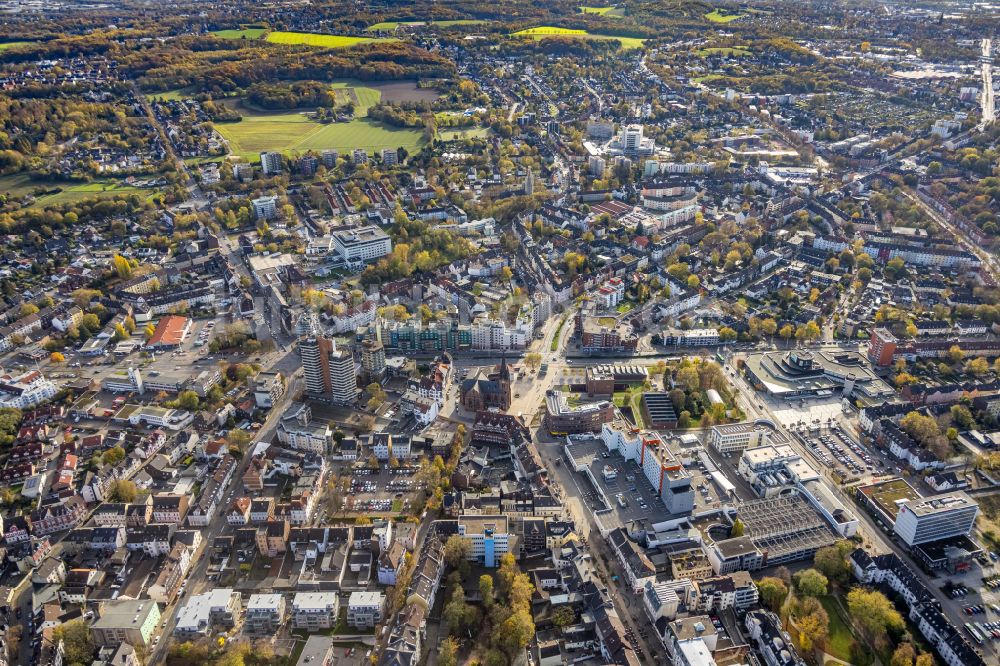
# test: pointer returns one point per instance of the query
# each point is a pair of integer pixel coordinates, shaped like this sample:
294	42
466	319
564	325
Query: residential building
264	613
130	621
270	163
201	613
329	373
365	609
313	611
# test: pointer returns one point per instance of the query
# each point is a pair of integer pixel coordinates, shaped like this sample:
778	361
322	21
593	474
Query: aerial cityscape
525	333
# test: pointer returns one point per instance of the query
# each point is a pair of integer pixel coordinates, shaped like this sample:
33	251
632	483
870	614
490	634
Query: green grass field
13	45
715	16
20	185
544	31
707	77
247	33
170	95
723	50
317	39
841	637
290	131
392	25
613	12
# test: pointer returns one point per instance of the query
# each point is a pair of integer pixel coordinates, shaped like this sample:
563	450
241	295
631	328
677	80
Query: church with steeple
490	391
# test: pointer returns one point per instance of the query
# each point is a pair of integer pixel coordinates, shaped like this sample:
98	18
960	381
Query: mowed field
392	25
544	31
717	17
613	12
20	185
13	45
294	131
247	33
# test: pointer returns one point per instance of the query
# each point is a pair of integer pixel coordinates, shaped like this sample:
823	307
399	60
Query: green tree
75	636
874	614
122	490
486	590
113	456
188	400
772	592
811	583
831	561
457	550
447	652
903	655
564	616
738	528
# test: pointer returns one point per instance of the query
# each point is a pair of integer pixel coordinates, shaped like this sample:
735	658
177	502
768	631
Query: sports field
392	25
247	33
613	12
292	131
717	17
316	39
13	45
544	31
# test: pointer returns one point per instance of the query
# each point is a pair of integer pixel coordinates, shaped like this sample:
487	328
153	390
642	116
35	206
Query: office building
738	436
364	244
270	162
489	536
933	518
562	418
329	372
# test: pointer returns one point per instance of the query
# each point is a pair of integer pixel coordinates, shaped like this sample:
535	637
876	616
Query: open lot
317	39
246	33
792	411
544	31
291	131
392	25
68	191
613	12
715	16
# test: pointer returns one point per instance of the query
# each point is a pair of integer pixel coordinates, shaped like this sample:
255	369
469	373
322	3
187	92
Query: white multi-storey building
25	390
362	245
933	518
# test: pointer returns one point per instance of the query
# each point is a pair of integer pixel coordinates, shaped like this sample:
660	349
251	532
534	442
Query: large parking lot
386	490
977	603
836	449
629	494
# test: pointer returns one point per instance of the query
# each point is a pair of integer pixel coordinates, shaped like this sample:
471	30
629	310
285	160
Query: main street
197	581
